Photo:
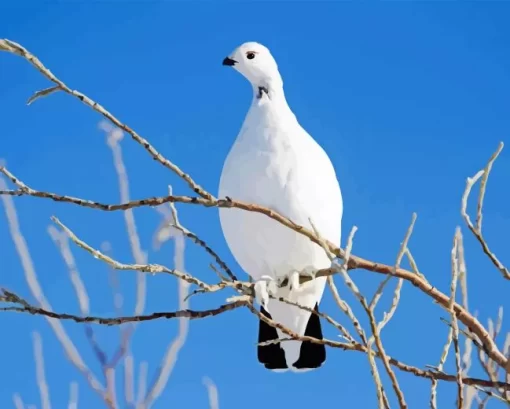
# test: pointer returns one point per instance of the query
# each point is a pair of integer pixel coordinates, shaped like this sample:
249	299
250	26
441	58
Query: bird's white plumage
274	162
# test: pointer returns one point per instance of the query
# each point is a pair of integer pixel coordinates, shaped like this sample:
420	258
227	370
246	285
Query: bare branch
377	327
114	136
170	358
360	348
145	268
418	280
18	402
396	293
43	93
62	241
212	392
24	254
470	393
129	387
381	395
24	306
73	396
477	230
451	332
41	376
208	249
142	384
15	48
483	185
455	325
346	309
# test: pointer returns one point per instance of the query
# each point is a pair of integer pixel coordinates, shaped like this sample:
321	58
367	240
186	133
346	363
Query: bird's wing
312	199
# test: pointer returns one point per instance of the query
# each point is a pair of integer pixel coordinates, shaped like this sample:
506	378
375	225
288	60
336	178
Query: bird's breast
266	166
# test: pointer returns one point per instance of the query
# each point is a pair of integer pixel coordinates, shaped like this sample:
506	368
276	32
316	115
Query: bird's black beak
229	61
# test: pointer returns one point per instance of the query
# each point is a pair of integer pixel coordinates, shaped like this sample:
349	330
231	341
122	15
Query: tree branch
355	262
24	306
15	48
477	230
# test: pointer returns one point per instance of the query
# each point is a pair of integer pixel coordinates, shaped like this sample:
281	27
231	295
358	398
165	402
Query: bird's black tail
273	357
312	355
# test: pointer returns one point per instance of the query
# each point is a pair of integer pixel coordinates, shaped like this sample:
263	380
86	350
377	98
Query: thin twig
8	296
212	392
455	325
18	402
396	293
470	393
129	387
40	373
477	230
208	249
146	268
73	396
114	136
170	358
377	327
62	242
346	309
381	395
142	384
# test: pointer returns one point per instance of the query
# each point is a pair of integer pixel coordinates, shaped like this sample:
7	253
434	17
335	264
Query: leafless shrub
478	338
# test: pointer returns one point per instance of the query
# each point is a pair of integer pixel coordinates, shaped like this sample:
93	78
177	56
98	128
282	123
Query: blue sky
408	99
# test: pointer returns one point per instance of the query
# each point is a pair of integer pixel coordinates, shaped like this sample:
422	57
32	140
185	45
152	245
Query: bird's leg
263	288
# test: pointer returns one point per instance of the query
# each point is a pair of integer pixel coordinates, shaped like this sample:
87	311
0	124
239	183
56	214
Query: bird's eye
250	55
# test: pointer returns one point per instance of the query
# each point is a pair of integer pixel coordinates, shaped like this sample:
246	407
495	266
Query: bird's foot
294	284
263	288
294	278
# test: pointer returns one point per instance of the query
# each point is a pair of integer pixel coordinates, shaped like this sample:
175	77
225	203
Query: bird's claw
263	288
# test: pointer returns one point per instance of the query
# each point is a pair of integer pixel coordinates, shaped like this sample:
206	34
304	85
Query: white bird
274	162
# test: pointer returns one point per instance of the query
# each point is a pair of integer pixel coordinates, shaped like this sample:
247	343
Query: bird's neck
272	86
270	92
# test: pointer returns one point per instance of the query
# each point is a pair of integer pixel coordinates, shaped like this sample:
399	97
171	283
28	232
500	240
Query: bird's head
255	62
